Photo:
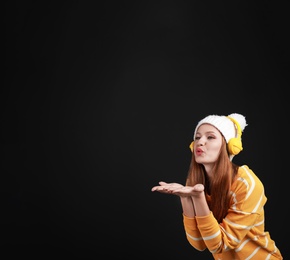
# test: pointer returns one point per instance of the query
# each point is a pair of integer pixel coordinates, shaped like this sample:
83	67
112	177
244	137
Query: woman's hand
179	189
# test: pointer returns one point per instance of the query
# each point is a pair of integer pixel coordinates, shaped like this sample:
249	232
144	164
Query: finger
158	188
154	188
198	187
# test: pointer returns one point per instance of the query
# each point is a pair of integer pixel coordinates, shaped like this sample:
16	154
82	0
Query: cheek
216	149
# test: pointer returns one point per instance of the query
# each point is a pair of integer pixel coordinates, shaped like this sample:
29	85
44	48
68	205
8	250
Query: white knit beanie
224	124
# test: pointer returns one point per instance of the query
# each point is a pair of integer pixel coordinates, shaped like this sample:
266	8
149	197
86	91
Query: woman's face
207	144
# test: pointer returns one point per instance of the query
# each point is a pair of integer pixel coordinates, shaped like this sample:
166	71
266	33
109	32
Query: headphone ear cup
191	146
235	146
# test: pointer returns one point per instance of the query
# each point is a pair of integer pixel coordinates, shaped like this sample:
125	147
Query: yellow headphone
191	146
235	144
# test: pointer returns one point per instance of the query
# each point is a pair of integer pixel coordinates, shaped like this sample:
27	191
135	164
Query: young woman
223	203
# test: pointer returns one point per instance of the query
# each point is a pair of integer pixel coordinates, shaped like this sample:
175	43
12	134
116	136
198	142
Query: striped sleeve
192	233
245	213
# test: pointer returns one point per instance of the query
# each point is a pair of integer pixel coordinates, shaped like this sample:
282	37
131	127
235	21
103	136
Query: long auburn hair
217	190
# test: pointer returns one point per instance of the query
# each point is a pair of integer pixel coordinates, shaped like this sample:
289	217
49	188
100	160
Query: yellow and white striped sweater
241	234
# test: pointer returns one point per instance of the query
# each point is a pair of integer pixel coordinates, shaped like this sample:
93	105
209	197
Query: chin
200	160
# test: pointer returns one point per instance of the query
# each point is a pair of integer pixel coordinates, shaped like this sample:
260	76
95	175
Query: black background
100	102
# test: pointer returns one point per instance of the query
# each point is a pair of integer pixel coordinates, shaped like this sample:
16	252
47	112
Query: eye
210	137
197	137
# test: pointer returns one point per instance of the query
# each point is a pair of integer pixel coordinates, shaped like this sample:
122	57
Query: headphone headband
238	127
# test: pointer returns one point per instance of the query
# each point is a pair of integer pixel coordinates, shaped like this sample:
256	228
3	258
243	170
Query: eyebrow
208	132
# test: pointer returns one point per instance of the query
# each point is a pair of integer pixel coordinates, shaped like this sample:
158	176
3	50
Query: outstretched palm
178	189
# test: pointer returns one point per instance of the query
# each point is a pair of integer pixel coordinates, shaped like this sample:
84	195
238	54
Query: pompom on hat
229	126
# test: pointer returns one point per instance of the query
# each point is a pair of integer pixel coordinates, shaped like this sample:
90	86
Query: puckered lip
199	150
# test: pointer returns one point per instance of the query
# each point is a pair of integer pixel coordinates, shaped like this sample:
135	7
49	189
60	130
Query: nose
201	141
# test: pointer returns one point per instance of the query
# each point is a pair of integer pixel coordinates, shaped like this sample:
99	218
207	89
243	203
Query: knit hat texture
224	124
